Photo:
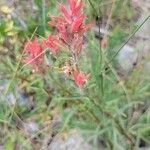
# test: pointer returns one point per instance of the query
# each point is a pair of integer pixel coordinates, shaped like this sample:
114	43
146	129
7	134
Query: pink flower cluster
70	31
36	55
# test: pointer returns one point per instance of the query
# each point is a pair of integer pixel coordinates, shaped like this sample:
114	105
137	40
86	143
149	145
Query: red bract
85	28
80	78
75	7
53	43
70	30
77	23
71	25
36	54
66	14
70	34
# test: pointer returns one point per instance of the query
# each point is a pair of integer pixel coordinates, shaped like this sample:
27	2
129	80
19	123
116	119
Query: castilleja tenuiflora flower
70	25
35	55
70	31
80	78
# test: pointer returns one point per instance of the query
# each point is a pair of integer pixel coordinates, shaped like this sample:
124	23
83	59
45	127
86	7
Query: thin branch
127	40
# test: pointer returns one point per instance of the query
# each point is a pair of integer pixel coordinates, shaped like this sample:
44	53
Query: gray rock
31	127
11	99
132	55
16	98
73	141
127	58
2	147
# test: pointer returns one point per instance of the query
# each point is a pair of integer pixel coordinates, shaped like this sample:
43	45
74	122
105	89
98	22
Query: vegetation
106	107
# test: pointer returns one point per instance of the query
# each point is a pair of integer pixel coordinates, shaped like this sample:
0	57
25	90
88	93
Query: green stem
127	40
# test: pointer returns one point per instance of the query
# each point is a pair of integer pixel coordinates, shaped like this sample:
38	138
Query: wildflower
53	43
80	78
36	54
71	26
70	32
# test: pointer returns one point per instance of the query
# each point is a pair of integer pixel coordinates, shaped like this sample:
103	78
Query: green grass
108	109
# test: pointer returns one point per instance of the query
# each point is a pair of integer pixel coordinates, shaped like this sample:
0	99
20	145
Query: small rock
2	147
71	141
127	58
31	127
11	99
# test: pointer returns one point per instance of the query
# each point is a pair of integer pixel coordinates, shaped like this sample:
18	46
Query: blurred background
47	112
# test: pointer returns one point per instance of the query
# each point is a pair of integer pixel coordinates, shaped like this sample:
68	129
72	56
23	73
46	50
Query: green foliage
118	36
104	110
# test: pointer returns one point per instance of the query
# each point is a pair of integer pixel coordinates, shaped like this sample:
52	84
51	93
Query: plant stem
116	121
134	32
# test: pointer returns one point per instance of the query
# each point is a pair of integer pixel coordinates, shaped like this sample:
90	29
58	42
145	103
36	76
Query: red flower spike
70	24
70	32
80	78
36	55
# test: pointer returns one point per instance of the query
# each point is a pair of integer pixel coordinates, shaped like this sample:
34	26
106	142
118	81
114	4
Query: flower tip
80	78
